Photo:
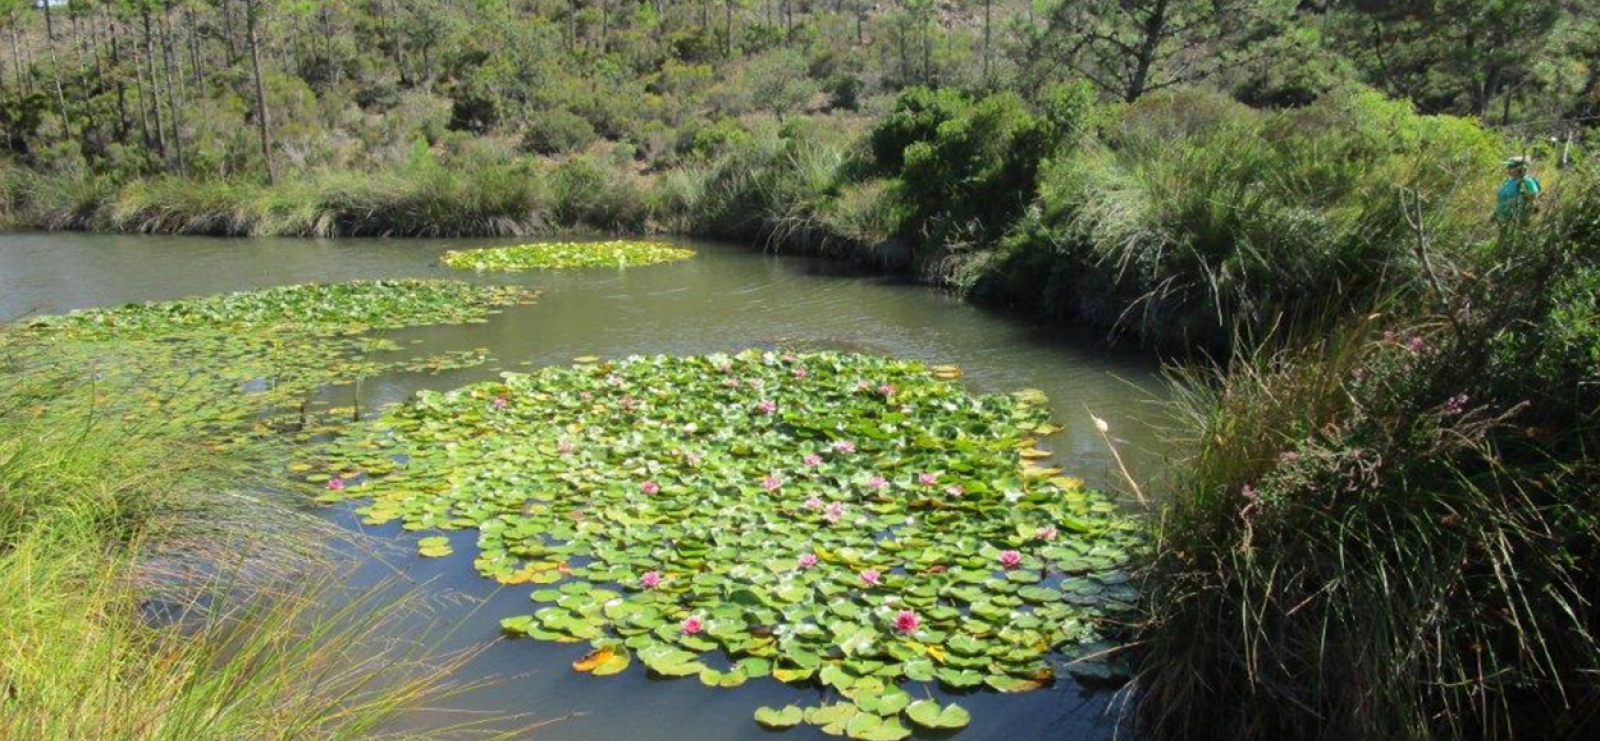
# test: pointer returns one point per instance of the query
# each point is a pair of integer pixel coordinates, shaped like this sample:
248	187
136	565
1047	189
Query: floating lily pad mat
224	364
855	522
556	255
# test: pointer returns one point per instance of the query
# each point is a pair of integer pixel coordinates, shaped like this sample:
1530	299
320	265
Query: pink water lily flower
585	395
693	458
807	560
877	482
1048	532
812	459
772	483
800	373
1010	559
907	622
692	625
614	379
650	487
767	406
500	402
835	513
813	503
732	383
756	383
725	367
335	484
955	490
564	447
650	579
844	446
871	577
886	389
927	479
628	403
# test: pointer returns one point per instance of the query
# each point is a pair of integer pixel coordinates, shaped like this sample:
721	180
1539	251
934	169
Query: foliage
108	518
972	164
560	255
1390	532
1195	219
834	520
189	359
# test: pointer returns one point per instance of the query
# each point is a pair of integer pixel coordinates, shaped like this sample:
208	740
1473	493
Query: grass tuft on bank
1390	531
125	613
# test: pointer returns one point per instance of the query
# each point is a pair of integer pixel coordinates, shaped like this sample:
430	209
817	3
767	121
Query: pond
726	299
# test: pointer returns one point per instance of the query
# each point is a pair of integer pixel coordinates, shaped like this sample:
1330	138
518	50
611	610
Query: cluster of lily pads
852	522
557	255
239	364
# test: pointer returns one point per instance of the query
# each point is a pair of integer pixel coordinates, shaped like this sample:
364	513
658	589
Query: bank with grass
149	588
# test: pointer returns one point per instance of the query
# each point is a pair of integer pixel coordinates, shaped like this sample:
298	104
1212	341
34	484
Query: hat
1517	162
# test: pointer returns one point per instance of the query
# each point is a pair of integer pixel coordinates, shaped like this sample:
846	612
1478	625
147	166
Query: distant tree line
250	87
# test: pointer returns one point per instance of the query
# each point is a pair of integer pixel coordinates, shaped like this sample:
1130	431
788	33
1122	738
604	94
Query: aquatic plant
656	534
559	255
236	364
315	308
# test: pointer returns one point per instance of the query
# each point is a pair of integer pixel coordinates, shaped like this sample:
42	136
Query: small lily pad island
560	255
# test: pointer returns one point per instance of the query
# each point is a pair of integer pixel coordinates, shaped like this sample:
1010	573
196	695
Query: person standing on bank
1515	199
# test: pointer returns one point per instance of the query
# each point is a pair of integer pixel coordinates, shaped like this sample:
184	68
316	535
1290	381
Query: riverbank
1183	220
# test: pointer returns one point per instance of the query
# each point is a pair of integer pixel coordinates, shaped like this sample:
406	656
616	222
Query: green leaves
929	714
434	547
559	255
831	520
789	717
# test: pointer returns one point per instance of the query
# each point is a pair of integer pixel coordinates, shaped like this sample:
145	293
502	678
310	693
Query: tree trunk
55	68
194	47
24	88
987	8
327	46
155	86
227	32
174	79
1154	29
122	88
572	25
263	118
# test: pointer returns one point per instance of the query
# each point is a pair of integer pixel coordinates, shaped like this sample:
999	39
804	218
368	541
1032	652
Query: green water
727	298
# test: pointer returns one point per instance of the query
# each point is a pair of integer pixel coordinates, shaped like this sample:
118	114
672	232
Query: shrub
556	131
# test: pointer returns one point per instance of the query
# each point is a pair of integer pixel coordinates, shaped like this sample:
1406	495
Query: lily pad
930	714
787	717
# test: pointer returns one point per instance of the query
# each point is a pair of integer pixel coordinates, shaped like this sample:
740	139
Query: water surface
726	299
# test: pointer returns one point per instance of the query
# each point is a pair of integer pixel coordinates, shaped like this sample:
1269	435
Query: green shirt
1511	201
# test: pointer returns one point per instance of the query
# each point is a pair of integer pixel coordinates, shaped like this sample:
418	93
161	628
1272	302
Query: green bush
968	167
1194	220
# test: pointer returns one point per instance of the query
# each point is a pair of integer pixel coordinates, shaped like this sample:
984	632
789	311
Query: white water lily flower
1100	424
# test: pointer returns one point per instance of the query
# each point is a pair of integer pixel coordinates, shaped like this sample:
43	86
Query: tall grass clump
1391	531
89	509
